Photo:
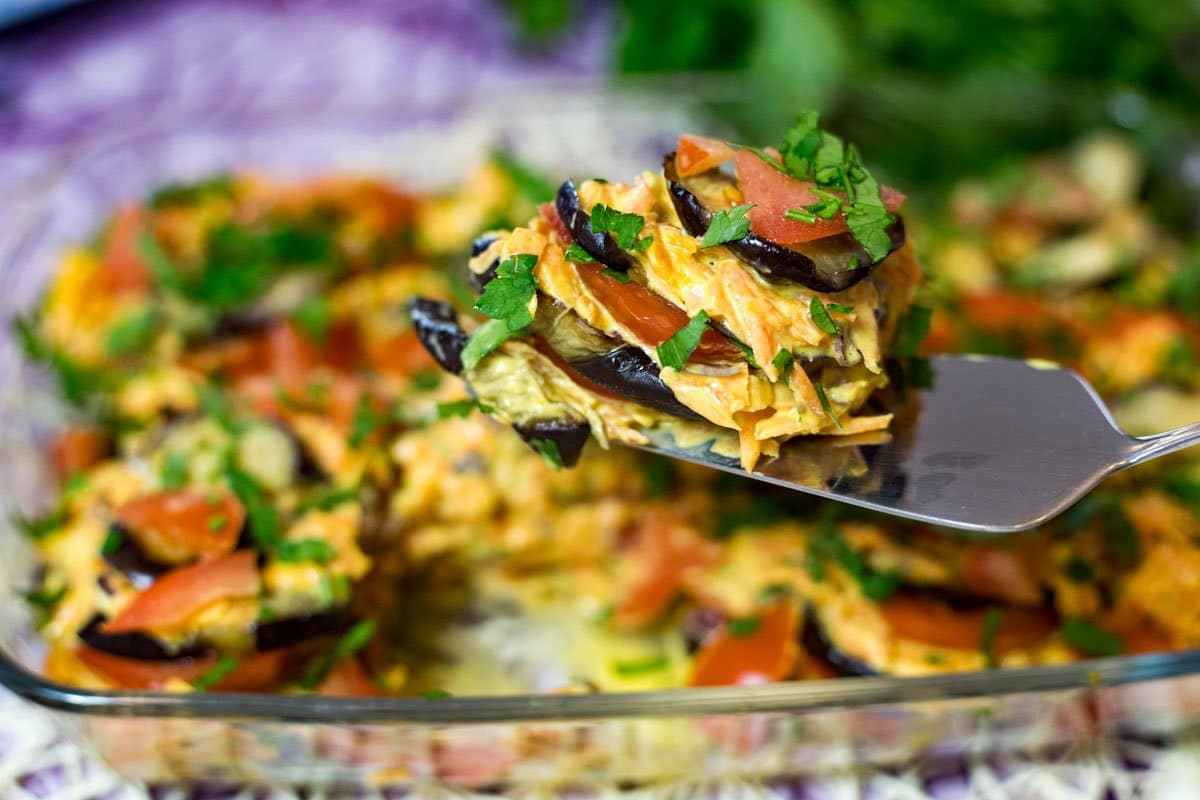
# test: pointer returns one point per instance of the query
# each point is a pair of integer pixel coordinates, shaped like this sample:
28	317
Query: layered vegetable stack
761	299
266	485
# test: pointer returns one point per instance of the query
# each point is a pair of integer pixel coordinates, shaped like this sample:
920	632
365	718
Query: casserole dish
588	743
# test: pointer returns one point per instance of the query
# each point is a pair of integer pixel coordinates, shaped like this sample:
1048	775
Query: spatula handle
1160	444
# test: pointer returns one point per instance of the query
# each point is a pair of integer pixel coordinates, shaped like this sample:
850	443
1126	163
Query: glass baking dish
585	743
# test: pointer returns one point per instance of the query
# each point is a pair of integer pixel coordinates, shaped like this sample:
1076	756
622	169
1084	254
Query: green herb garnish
314	317
219	671
329	500
549	450
315	550
215	404
625	227
987	633
43	601
640	666
457	408
351	642
112	542
165	273
727	226
825	404
174	471
427	380
132	333
38	528
215	523
436	694
507	296
913	328
746	351
742	626
675	351
619	277
820	317
577	255
366	421
1089	638
1079	571
841	308
187	194
784	362
486	338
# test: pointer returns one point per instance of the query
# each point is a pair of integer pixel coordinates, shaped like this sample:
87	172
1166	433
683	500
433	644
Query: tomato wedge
663	550
652	319
773	193
181	592
399	354
549	213
124	269
999	572
257	673
696	154
76	449
181	525
766	653
933	622
349	679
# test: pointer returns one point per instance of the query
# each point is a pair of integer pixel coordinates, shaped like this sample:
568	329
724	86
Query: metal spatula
996	445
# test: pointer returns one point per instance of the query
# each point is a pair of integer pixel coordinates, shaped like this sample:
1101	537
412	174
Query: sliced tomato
549	213
74	450
290	356
662	550
696	154
766	653
652	319
932	622
181	592
124	269
773	193
349	679
1139	634
999	572
399	354
180	525
260	672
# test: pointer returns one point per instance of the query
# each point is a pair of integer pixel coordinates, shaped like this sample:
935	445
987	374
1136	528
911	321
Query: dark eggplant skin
131	645
481	279
436	324
817	643
130	561
569	436
292	630
629	372
824	270
599	246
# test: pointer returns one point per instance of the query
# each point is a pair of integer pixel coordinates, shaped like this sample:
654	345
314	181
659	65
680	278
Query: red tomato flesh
662	551
181	592
349	679
124	269
934	623
773	193
77	448
652	319
696	154
257	673
767	653
181	525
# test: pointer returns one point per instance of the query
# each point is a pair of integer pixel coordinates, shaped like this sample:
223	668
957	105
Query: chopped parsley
314	317
315	550
459	408
987	633
625	227
1116	531
132	333
174	471
215	404
828	544
549	450
577	255
1089	638
841	308
165	273
727	226
186	194
913	328
784	362
641	666
825	404
743	626
215	523
366	421
329	500
507	296
675	351
619	277
436	694
43	601
486	338
351	642
219	671
38	528
426	380
1078	570
746	351
820	317
811	154
112	542
261	517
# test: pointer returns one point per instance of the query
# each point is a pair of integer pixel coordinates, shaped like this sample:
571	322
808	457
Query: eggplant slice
131	645
132	562
833	264
817	643
436	324
599	246
568	436
292	630
629	372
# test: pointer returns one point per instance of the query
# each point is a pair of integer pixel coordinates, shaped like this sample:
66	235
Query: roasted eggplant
131	645
818	644
630	373
436	324
292	630
833	264
569	437
599	245
129	559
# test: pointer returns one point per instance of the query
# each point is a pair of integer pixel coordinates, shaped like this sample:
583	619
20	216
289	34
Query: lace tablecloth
94	72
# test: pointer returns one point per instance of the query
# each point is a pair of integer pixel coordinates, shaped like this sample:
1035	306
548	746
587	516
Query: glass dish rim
784	697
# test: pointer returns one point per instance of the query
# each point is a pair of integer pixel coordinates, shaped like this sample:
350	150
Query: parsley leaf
174	471
549	450
841	308
1089	638
801	143
314	317
619	277
675	351
1078	570
913	328
186	194
486	338
784	362
577	255
38	528
132	333
746	351
351	642
43	601
460	408
820	317
219	671
987	633
328	500
166	274
626	227
742	626
316	550
825	404
112	542
365	422
640	666
727	226
507	296
869	224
